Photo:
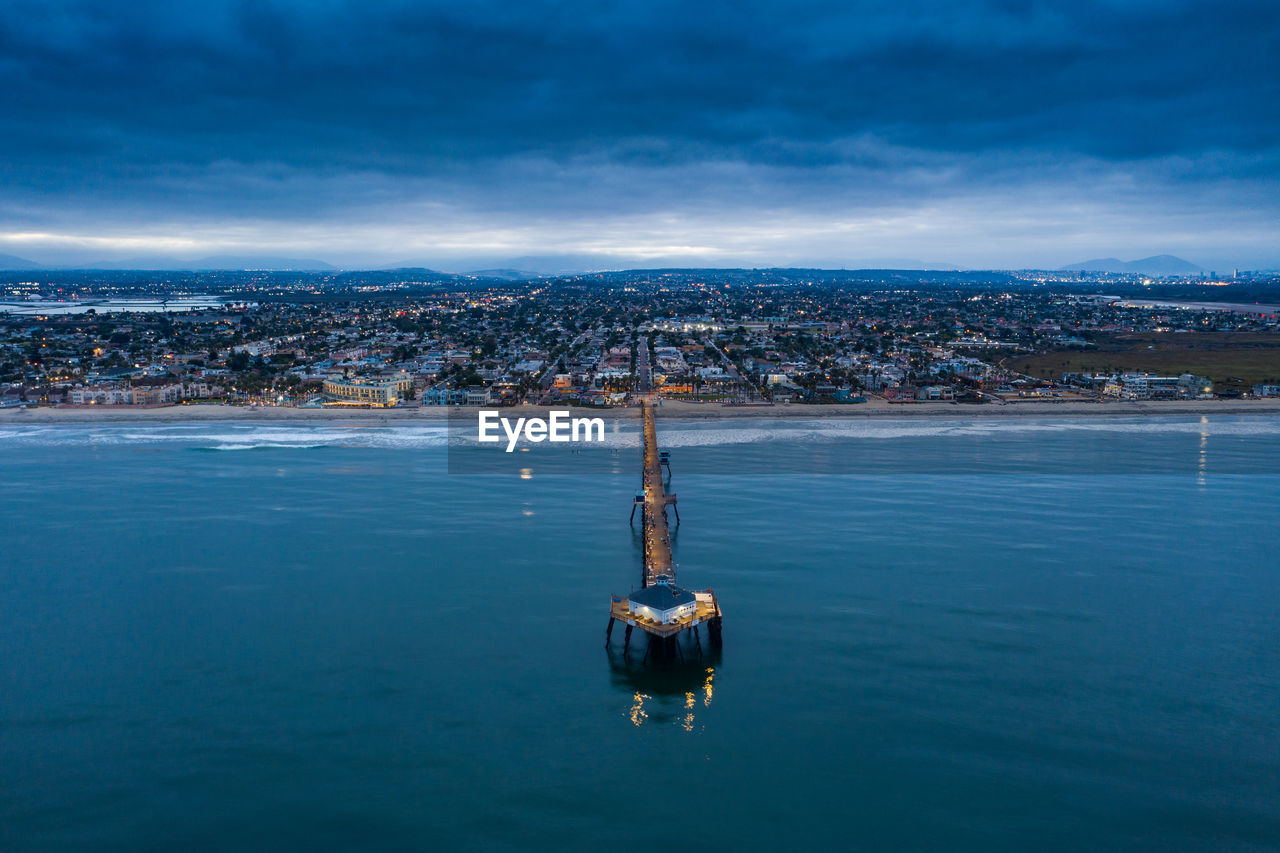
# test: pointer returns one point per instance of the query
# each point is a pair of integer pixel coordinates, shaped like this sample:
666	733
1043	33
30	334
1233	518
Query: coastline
670	409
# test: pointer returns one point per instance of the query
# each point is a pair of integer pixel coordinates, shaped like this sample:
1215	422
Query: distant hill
504	274
1154	265
234	262
13	262
527	266
211	263
896	264
537	266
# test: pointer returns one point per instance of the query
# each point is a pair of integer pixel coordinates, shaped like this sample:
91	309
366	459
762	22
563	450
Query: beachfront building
157	395
202	390
457	397
1190	385
100	395
1149	386
935	392
369	391
115	395
443	397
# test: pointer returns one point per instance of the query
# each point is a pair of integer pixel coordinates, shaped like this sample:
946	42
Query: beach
668	409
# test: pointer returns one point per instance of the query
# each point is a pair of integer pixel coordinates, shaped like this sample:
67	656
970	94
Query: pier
661	608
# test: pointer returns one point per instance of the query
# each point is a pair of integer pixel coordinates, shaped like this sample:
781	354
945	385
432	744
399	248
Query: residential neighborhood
733	337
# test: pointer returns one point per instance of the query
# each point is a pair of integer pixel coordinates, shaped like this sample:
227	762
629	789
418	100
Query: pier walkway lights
661	608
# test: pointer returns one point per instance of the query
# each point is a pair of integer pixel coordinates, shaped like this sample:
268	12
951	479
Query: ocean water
1009	635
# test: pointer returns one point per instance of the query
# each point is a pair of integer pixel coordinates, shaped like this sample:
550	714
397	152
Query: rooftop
662	597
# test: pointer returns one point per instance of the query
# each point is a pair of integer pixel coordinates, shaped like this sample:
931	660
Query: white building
108	395
373	391
687	324
202	389
662	603
256	348
100	395
1144	386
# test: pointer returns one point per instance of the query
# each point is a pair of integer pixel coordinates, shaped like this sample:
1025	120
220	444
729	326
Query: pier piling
660	608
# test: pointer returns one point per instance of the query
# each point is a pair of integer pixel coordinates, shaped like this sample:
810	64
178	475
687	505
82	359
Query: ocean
1006	634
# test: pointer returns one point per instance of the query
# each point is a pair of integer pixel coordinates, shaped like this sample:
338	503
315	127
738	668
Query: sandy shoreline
669	409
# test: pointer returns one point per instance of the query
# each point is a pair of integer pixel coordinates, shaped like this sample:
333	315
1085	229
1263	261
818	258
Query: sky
998	134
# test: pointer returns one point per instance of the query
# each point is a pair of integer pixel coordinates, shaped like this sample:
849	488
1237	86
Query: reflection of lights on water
638	715
1203	461
526	473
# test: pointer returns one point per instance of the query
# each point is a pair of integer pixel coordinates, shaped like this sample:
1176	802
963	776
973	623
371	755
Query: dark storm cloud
285	110
387	84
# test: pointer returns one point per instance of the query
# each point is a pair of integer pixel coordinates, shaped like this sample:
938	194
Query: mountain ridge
1154	265
13	262
210	263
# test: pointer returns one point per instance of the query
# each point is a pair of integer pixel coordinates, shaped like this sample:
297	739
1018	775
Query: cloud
967	123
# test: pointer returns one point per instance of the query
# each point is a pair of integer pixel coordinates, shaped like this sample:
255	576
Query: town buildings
372	391
733	336
1150	386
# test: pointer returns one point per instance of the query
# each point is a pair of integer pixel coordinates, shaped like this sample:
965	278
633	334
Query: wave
675	434
264	446
624	435
229	436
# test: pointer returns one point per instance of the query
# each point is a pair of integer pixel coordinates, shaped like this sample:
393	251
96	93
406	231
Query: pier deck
657	533
707	610
687	609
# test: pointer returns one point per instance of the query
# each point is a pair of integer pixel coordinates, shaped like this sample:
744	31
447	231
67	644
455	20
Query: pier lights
662	610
